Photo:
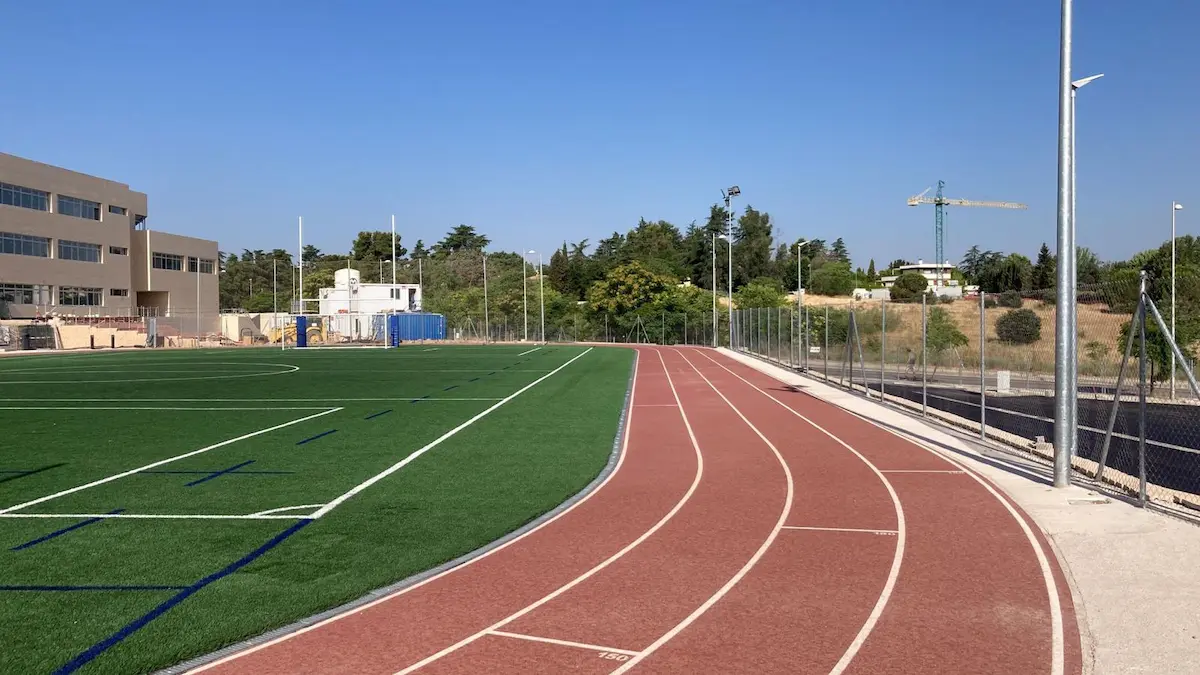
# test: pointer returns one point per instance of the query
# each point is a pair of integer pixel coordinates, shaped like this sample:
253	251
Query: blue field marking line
218	474
91	653
378	414
310	439
69	589
58	533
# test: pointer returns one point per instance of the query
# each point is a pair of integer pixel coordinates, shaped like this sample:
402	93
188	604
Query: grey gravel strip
613	457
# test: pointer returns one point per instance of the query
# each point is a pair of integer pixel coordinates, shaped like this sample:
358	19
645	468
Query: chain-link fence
987	364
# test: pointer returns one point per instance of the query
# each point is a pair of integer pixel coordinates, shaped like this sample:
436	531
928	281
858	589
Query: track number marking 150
613	656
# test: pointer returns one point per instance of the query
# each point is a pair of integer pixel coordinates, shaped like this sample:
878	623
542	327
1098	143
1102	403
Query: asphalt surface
1172	431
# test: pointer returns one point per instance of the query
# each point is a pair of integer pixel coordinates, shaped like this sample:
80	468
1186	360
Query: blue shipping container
405	327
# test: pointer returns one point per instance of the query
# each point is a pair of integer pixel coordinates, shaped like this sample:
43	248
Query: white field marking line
1094	430
154	407
616	469
603	564
529	352
434	349
162	379
838	529
901	531
758	554
562	643
337	501
262	400
1057	638
159	516
286	508
919	471
63	493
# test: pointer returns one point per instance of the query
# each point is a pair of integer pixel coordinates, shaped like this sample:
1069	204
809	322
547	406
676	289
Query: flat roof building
74	244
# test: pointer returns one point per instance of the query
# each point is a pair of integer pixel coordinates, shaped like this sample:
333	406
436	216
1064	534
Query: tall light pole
487	326
729	194
715	237
1175	206
524	299
541	293
1063	323
1071	261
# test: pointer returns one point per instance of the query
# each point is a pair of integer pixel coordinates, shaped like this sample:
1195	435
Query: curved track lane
746	528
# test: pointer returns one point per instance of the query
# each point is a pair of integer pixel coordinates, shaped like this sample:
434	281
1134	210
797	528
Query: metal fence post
924	356
825	349
882	348
1142	402
982	368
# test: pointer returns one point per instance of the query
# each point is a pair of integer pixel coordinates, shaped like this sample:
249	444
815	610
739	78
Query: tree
1010	299
909	287
1019	327
871	270
760	293
559	272
1013	272
941	333
376	246
839	251
419	251
658	246
895	265
461	238
753	237
626	288
1043	277
832	278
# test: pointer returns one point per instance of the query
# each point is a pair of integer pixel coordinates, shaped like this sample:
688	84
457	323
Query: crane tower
939	204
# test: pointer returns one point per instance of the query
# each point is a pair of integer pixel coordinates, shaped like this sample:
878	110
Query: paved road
1172	431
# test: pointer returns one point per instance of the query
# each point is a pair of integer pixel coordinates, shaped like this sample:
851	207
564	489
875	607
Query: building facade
938	276
76	245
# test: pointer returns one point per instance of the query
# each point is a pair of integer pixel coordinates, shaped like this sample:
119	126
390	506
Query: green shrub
1019	327
909	287
1011	299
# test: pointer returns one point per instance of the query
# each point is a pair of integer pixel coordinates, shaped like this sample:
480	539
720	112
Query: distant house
938	275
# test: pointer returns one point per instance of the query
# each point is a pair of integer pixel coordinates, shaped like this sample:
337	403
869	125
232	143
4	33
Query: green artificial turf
495	475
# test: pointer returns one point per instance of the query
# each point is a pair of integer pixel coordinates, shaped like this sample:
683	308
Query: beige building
73	244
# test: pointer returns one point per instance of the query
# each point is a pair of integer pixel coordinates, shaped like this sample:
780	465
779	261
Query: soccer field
156	505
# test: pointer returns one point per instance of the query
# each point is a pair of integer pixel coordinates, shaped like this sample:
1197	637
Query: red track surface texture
747	528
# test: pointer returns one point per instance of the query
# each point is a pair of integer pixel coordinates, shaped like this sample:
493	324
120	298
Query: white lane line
530	351
156	407
1057	638
656	405
901	536
102	481
605	563
436	442
838	529
159	516
333	399
286	508
919	471
431	349
390	596
758	554
562	643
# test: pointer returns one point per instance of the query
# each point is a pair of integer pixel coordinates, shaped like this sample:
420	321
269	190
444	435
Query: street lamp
729	194
715	237
541	293
1072	274
1175	206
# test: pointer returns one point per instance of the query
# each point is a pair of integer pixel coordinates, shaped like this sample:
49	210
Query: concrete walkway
1135	573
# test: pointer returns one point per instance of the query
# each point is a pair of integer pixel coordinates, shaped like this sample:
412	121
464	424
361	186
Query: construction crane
940	203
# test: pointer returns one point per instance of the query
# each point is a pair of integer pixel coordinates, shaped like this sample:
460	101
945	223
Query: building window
118	250
22	244
119	292
79	297
206	265
28	198
119	210
167	261
25	294
80	208
78	250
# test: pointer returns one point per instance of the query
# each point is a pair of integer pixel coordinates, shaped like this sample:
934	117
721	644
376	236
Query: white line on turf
603	564
159	516
562	643
437	441
63	493
492	551
248	400
286	508
901	536
431	349
758	554
155	407
529	352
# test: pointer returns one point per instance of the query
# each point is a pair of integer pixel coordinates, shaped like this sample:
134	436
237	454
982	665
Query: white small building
349	297
937	275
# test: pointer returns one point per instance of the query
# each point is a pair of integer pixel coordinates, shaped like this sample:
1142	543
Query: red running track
747	527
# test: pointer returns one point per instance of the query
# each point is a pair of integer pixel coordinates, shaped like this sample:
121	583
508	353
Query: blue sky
539	121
